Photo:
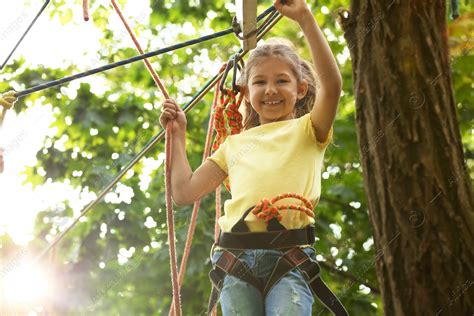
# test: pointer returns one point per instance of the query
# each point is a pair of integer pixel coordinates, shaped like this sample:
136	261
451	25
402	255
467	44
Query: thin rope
168	145
153	73
170	221
197	203
45	4
218	212
85	9
176	294
131	60
155	139
121	63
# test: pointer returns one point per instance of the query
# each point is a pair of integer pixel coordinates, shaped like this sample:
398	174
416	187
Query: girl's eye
258	82
282	81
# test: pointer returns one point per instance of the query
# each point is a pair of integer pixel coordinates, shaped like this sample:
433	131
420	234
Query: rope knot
266	210
8	99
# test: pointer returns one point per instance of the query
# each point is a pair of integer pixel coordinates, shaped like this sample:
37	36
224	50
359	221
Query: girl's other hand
296	10
170	111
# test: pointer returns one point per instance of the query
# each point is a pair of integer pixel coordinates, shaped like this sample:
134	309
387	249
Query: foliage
124	117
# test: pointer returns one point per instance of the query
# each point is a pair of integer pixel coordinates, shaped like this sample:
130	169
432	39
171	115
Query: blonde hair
302	70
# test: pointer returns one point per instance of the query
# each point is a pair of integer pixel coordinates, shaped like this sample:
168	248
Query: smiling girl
264	262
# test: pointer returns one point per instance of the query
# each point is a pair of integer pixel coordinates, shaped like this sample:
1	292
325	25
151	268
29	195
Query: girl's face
273	90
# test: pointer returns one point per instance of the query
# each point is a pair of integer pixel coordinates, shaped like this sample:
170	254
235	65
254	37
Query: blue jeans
289	296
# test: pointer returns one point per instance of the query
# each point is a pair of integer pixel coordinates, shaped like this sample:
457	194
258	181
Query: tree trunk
419	192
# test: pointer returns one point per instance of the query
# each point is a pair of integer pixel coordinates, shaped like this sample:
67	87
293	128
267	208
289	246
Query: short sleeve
327	140
310	131
219	157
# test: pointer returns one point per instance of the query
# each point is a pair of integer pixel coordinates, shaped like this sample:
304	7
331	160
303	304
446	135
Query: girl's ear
245	91
302	89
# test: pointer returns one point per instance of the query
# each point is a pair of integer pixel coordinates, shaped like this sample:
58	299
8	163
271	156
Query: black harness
277	237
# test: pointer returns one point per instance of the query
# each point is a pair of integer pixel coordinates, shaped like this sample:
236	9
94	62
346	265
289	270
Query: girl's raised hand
170	111
293	9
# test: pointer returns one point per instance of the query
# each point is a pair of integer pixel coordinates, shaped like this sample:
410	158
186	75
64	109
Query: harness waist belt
268	240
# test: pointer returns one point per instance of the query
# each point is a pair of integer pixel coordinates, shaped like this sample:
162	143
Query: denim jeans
289	296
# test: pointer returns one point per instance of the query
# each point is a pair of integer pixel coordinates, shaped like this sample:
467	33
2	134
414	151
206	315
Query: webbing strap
229	264
291	259
297	258
324	294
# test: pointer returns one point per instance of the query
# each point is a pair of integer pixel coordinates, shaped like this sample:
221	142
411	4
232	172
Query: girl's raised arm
327	71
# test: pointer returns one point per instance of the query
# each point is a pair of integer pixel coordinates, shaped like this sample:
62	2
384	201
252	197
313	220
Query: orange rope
156	79
266	210
228	119
207	149
85	9
170	222
197	203
217	228
218	212
169	204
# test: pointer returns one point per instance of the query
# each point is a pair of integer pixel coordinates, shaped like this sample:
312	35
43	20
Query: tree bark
419	193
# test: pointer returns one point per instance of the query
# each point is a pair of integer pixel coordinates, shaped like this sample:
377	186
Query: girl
286	130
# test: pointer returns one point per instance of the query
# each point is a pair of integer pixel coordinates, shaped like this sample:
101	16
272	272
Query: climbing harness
287	241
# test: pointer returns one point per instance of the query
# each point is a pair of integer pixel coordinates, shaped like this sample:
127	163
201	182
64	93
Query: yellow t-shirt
268	160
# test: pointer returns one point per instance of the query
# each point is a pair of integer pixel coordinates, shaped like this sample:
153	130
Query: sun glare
25	285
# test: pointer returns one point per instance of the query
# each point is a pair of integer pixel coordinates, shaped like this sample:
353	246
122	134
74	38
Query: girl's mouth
272	102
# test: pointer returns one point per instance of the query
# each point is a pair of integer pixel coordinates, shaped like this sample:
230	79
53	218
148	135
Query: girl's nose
270	89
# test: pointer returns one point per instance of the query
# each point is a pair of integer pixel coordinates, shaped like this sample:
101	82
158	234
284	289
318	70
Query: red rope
197	203
266	210
228	119
170	222
85	9
156	79
218	212
169	204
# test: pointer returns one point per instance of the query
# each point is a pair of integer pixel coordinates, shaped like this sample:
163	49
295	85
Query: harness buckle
296	256
226	261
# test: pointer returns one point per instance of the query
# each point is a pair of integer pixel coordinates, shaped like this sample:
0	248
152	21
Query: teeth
271	102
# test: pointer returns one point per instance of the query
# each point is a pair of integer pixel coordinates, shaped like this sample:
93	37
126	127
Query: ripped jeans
289	296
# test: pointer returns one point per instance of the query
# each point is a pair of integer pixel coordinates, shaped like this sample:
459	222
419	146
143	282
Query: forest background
63	145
